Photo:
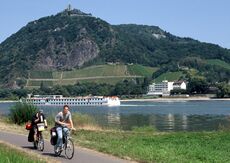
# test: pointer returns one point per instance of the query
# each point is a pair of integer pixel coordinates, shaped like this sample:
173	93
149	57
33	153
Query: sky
203	20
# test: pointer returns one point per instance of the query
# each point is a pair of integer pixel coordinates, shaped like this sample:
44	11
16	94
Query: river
164	116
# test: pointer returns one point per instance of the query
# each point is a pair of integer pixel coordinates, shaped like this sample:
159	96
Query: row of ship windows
57	100
93	103
76	99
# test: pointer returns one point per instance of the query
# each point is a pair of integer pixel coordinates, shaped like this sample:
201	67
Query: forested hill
72	39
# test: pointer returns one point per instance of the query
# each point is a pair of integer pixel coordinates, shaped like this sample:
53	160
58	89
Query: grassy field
99	74
41	75
65	82
219	63
38	83
57	74
170	76
100	70
149	147
107	80
141	70
10	154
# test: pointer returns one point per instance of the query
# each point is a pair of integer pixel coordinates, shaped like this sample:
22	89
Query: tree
178	91
197	85
20	93
5	93
21	82
224	90
45	89
119	89
145	85
59	90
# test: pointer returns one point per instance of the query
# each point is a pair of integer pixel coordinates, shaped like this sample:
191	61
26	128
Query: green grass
111	81
57	74
141	70
165	147
100	70
38	83
9	154
218	62
107	80
170	76
65	82
41	75
119	73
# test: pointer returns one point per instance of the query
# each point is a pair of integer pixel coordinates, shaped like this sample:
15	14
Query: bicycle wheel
58	151
41	143
69	149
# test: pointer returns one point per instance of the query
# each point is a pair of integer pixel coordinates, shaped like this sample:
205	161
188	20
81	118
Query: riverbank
177	99
8	101
147	145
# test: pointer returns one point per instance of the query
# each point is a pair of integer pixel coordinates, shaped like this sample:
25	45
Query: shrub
22	112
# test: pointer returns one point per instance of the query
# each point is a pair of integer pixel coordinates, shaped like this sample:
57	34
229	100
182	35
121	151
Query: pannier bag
53	135
28	126
31	136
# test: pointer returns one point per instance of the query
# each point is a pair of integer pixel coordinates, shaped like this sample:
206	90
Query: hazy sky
204	20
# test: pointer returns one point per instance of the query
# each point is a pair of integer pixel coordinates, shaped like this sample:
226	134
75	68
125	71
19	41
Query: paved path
81	155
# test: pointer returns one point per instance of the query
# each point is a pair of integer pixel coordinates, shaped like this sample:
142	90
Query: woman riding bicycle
39	117
63	121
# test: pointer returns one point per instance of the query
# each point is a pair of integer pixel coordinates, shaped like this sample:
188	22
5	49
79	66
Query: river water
164	116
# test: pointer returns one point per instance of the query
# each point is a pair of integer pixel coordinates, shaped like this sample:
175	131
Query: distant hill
72	39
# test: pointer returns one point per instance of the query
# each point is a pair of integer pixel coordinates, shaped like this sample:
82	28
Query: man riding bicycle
63	121
39	117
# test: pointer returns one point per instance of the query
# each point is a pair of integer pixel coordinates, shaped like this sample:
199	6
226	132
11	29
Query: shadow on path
28	147
52	155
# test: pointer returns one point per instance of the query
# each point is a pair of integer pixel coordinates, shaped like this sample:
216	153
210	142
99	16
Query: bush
22	112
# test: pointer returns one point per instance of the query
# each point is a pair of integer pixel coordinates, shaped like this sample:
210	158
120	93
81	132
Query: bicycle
39	142
67	146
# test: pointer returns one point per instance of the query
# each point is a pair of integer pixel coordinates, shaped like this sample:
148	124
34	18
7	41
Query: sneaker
57	150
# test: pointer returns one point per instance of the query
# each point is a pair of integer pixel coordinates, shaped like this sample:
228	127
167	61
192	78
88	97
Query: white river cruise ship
74	101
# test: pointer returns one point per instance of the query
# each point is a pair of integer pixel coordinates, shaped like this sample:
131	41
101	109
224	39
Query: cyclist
63	121
39	117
